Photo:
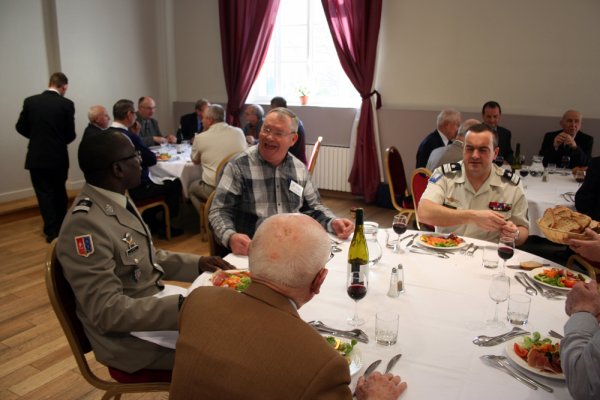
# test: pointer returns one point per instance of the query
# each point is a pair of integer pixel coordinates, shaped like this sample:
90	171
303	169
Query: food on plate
344	348
577	169
559	277
164	157
238	280
450	240
539	353
564	219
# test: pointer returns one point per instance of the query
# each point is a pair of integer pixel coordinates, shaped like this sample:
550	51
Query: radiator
333	168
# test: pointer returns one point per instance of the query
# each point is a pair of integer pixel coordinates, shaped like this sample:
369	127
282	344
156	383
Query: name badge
296	188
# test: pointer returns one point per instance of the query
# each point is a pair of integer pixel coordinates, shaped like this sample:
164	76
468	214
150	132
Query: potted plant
303	91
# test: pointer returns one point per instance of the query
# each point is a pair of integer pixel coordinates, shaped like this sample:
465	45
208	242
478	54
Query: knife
518	266
392	362
371	368
412	240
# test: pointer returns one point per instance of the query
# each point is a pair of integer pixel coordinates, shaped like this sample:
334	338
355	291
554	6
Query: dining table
178	165
558	190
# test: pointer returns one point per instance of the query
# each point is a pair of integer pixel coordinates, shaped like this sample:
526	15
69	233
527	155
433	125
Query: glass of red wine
580	176
524	171
399	225
357	284
506	249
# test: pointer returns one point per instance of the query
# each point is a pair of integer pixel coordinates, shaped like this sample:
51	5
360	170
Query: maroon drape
246	27
354	25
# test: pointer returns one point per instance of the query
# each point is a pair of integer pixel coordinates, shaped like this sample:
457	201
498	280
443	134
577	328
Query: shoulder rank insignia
83	205
497	206
513	178
450	167
84	245
437	174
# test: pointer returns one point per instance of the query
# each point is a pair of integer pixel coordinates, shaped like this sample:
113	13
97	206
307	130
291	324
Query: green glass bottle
358	254
517	158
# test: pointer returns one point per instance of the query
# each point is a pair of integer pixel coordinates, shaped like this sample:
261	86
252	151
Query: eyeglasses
267	130
136	154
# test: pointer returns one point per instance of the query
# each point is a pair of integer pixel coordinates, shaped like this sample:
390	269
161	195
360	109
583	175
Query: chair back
215	248
312	161
592	268
394	170
418	184
222	165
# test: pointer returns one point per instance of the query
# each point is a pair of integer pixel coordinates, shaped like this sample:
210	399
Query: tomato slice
520	351
569	282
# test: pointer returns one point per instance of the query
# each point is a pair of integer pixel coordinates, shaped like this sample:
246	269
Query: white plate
460	246
539	270
355	356
510	352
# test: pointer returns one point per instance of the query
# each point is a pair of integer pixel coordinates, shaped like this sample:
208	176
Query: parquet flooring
35	360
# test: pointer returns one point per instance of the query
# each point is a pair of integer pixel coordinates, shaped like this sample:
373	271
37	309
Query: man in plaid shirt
266	180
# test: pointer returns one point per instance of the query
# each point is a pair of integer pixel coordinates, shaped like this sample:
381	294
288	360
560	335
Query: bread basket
556	236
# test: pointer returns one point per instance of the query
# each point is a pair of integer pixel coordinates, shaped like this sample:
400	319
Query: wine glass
499	291
399	225
522	159
499	160
524	171
580	176
506	249
565	161
357	284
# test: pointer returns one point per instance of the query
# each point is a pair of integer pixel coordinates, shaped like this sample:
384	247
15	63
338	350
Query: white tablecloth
543	195
179	166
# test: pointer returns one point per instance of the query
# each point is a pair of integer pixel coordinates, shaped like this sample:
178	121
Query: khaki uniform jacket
252	345
114	270
502	192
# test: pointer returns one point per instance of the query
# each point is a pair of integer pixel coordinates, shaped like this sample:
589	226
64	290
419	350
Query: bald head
98	115
288	250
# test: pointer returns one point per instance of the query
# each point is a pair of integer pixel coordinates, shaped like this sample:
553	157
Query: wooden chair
203	221
214	247
586	264
62	300
394	171
418	184
159	201
312	162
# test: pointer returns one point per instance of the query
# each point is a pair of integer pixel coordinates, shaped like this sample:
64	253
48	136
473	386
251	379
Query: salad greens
342	347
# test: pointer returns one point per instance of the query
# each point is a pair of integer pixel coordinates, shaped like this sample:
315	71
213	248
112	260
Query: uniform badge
137	274
84	245
435	177
132	247
497	206
109	209
83	205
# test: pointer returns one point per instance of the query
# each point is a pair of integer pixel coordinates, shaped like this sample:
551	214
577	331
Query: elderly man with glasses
266	180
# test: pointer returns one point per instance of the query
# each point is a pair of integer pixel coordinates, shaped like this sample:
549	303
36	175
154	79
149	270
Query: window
302	55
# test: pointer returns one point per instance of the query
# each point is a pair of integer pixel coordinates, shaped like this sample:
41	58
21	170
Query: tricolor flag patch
84	245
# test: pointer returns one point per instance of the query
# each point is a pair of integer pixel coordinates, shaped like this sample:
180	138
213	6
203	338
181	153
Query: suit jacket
148	129
92	129
253	346
431	141
447	154
504	139
114	282
587	198
148	156
48	121
188	127
580	157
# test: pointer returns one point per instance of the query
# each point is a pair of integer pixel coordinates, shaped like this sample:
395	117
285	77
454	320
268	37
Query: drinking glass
499	291
499	160
399	225
580	176
565	161
357	284
522	159
506	249
524	171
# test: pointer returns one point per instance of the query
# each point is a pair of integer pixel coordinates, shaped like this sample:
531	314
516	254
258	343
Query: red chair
418	184
62	300
394	170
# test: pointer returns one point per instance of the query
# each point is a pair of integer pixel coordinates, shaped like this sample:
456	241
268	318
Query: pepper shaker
400	279
395	283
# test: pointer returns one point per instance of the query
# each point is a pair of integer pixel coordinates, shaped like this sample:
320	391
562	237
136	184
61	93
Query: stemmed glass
399	225
499	291
357	284
524	171
564	163
506	249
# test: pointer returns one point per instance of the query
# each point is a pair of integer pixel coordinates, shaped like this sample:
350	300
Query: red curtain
246	27
354	25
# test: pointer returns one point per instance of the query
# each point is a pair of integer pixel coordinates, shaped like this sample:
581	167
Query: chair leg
202	225
167	222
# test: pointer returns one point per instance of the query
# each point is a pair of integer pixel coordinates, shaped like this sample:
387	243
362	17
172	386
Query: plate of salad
349	351
237	279
538	355
443	241
558	278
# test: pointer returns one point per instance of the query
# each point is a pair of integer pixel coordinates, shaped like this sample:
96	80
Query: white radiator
333	168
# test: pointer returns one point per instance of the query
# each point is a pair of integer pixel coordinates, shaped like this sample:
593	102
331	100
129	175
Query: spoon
528	288
514	331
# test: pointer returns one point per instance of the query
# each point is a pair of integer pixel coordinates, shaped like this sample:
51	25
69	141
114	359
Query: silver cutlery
392	362
368	371
412	240
335	241
467	248
518	266
529	289
555	334
488	341
472	251
357	334
547	293
504	362
496	364
429	253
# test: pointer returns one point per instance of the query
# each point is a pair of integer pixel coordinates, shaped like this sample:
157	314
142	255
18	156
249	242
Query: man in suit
111	264
587	198
149	130
99	120
298	150
568	142
190	124
254	345
254	115
448	121
491	112
48	121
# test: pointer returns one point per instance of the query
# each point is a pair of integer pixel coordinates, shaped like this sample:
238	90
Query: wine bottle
516	164
358	254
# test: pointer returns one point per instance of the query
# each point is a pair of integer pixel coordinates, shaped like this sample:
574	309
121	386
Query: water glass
386	327
490	257
518	309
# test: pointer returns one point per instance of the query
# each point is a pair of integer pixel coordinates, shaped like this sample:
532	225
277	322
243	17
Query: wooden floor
35	360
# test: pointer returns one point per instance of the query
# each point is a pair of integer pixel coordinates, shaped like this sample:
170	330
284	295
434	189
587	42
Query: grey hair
201	103
257	110
289	250
286	112
216	112
94	112
464	127
448	115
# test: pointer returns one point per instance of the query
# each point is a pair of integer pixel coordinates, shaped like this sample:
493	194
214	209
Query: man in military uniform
474	197
111	264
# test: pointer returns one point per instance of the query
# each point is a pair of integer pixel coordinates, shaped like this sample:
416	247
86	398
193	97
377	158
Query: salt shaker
393	290
400	279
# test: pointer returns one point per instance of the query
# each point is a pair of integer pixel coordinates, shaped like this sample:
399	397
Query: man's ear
117	170
315	286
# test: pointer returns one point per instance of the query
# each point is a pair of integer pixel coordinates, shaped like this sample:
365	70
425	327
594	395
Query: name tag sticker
296	189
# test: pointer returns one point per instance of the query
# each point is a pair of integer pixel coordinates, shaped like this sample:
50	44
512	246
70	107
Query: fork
504	362
472	251
465	249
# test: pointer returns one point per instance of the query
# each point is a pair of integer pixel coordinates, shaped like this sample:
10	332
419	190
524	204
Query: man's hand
342	227
564	139
239	244
172	139
250	139
488	220
584	297
213	263
589	249
135	128
380	387
509	229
